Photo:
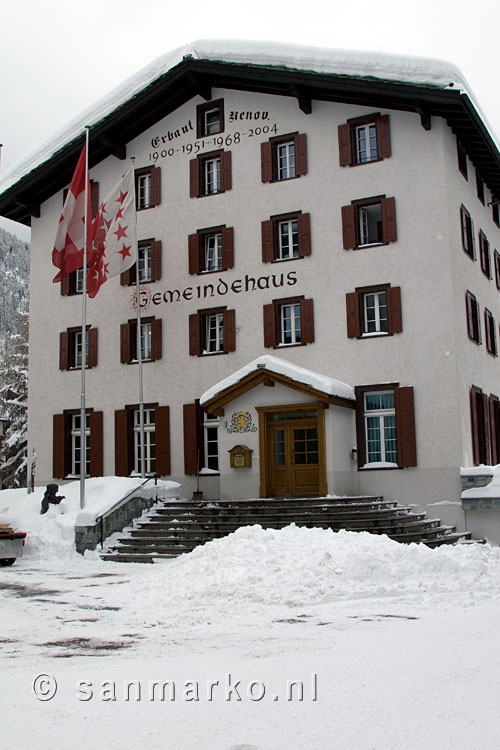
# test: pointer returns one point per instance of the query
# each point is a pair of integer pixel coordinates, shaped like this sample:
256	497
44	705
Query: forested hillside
14	289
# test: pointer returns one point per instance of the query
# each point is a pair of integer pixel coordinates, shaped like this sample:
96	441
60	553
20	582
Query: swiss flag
67	254
113	234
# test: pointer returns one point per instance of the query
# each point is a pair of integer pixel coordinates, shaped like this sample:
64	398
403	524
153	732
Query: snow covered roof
292	70
274	365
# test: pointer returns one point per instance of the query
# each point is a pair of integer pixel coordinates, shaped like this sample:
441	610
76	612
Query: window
156	440
467	232
462	159
484	253
496	260
149	441
371	221
149	252
482	418
67	444
151	340
385	426
374	311
71	348
211	441
210	174
473	320
364	139
212	332
147	187
286	237
490	336
495	211
211	250
210	118
72	283
284	157
289	322
480	188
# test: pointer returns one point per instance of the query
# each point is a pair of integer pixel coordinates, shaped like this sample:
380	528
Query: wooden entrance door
294	459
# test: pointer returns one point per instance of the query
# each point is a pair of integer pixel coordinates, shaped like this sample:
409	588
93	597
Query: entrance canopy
270	370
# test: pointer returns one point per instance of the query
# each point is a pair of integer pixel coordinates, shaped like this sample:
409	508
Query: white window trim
212	175
212	252
286	160
294	318
149	441
293	247
144	263
378	320
76	449
371	154
144	193
210	421
214	333
381	414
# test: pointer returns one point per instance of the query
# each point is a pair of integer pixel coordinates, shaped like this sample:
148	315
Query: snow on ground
395	646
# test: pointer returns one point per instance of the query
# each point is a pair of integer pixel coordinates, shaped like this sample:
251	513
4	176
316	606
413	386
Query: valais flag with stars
67	254
113	235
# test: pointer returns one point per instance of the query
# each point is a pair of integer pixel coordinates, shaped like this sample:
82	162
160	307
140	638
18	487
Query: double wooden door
294	454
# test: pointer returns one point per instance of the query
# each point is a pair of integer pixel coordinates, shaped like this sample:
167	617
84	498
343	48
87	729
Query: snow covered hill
14	290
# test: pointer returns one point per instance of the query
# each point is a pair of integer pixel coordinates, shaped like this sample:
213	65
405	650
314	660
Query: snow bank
299	567
53	534
492	489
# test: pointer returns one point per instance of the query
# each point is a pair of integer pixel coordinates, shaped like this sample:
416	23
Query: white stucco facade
433	352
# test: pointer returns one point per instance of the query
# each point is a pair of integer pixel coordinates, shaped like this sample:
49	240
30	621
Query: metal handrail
121	502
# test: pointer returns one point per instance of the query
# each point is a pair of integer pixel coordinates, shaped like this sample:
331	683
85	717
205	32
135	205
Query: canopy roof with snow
426	86
274	370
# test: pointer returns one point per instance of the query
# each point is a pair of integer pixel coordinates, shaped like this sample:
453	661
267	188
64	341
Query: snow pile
52	535
492	489
299	567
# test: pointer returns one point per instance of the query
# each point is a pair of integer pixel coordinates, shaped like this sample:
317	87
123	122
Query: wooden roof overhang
193	77
269	378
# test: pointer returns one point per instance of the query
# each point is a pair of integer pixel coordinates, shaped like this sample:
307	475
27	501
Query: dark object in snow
50	497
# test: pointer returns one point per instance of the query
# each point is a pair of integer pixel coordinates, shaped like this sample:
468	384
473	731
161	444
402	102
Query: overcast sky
59	56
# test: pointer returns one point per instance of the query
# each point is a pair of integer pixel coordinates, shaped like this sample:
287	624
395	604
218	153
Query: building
320	279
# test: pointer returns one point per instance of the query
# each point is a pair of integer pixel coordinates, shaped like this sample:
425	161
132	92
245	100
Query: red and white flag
113	235
67	254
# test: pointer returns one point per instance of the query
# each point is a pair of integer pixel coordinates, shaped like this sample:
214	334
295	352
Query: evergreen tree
14	407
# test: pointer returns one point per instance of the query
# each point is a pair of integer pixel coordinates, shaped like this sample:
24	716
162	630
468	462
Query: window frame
348	141
473	317
63	443
490	336
154	187
355	311
270	231
480	188
68	348
462	160
496	265
128	278
197	249
272	314
351	222
198	323
270	171
467	230
128	340
484	254
201	112
125	452
197	173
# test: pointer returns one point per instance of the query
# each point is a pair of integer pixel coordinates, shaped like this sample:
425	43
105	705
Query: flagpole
139	352
83	420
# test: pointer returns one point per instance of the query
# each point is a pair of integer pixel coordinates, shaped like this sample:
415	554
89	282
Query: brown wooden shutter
92	344
486	429
266	161
190	420
389	220
96	444
307	320
229	323
194	178
269	325
383	137
156	339
194	241
352	314
304	227
64	350
64	286
162	433
494	429
58	443
300	154
194	334
126	277
345	147
394	313
227	247
94	198
226	173
155	186
405	427
469	306
121	443
267	241
125	343
349	227
156	260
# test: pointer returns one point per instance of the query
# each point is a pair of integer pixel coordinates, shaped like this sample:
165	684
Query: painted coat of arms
241	421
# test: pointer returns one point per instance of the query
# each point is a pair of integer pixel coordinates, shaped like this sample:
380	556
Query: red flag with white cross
67	254
113	234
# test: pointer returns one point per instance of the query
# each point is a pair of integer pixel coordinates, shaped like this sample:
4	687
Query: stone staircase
176	527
